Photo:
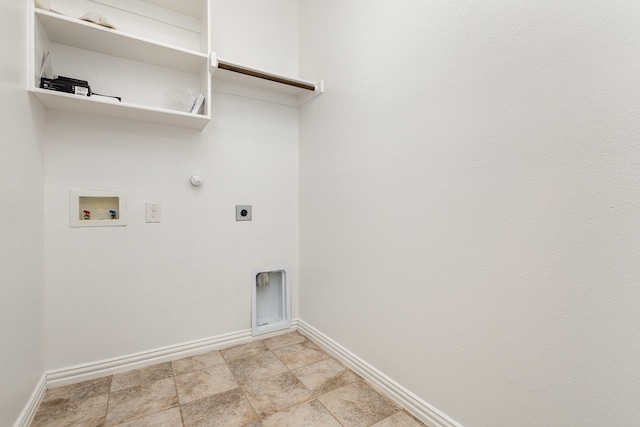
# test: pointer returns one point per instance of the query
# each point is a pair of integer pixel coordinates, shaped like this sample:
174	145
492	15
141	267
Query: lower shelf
86	105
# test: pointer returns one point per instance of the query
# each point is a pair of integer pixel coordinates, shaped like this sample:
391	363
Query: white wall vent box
97	208
271	304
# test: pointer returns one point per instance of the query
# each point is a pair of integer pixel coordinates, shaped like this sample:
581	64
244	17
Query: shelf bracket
303	98
213	62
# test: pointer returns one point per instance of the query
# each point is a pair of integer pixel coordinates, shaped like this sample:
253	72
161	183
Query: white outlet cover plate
152	212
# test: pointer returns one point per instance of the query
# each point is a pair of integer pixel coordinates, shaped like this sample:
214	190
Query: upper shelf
239	79
76	33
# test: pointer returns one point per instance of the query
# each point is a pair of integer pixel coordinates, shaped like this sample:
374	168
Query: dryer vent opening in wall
271	304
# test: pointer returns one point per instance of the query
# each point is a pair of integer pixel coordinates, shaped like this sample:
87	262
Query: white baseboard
412	403
30	409
89	371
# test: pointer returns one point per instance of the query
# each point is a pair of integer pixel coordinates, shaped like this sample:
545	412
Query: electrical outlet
152	212
243	212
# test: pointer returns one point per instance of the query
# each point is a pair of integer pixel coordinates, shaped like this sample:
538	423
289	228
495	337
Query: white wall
469	200
117	291
21	223
261	34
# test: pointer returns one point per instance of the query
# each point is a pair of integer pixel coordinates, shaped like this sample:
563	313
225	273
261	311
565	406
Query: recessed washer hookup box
97	208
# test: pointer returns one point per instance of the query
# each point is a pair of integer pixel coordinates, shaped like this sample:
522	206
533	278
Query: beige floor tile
138	401
325	376
274	394
169	418
284	340
358	405
79	391
297	355
141	376
284	380
199	361
255	368
228	409
307	414
244	350
399	419
88	412
205	382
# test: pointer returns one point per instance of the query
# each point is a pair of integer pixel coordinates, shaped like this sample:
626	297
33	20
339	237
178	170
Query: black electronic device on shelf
66	84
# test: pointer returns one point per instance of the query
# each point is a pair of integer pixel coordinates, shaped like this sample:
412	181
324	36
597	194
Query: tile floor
280	381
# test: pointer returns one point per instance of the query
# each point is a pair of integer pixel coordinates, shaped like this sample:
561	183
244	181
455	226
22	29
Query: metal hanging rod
263	75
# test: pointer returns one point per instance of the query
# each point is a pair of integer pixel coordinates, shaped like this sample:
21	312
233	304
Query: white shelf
164	51
142	69
84	35
243	80
88	105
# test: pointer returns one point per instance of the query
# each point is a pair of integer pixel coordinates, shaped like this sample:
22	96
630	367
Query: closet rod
265	76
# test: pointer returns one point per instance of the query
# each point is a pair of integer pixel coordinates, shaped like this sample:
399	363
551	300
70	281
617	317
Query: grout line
106	410
244	394
173	375
330	413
